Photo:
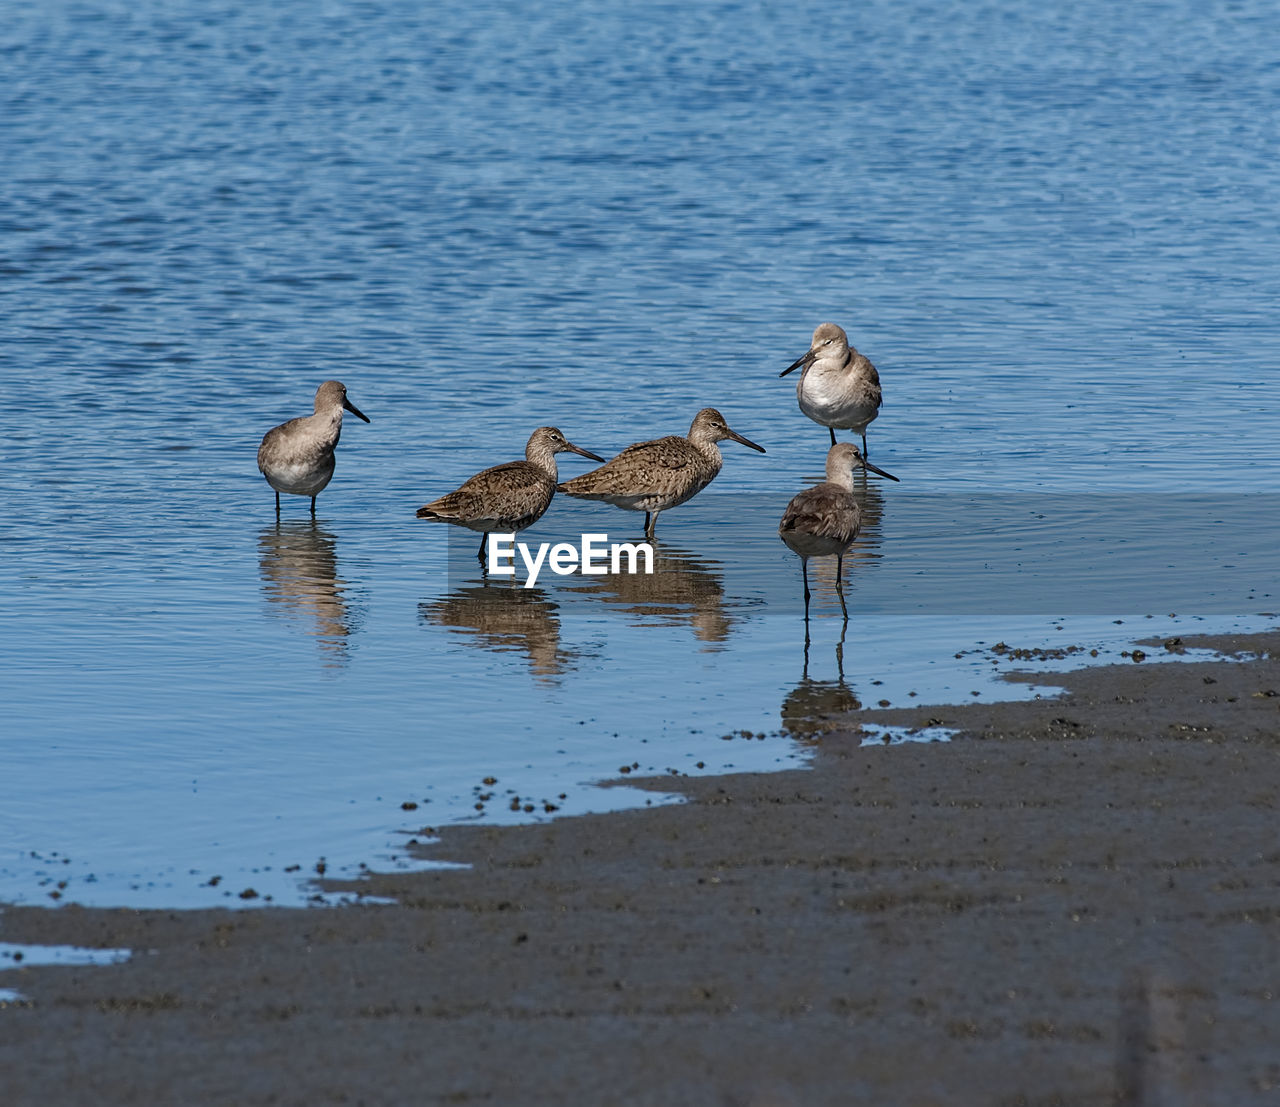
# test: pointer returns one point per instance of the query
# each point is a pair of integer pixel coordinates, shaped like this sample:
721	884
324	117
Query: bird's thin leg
804	570
650	525
833	435
313	507
840	651
277	507
864	443
840	584
480	552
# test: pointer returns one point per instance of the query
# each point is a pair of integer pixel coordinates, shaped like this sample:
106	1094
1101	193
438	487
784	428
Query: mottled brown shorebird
653	476
838	387
297	457
824	520
510	497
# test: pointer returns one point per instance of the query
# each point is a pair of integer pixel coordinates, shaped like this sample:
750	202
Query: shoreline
1076	900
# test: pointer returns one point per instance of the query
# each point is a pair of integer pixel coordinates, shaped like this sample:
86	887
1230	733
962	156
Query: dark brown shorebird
297	457
653	476
507	498
838	387
823	521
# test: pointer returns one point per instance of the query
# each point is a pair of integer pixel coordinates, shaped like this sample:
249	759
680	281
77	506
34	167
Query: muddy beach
1077	902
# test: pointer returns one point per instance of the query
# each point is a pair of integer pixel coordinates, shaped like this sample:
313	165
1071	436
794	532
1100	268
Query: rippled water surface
1053	231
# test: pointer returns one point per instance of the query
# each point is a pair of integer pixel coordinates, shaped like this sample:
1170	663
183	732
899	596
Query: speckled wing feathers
658	468
823	511
513	496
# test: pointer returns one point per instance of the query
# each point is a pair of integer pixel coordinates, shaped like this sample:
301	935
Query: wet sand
1077	903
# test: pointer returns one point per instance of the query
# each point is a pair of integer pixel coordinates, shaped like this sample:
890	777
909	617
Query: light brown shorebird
653	476
507	498
824	520
838	387
297	457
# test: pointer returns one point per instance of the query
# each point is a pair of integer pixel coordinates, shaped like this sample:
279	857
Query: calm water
1054	233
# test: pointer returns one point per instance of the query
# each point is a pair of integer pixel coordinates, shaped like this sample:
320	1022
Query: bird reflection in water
681	589
298	562
505	618
811	705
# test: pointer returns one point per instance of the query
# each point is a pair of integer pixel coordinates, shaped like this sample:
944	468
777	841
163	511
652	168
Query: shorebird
653	476
838	387
508	497
297	456
824	520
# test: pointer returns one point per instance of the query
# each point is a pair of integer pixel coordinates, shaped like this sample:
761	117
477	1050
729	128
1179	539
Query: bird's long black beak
877	469
799	363
354	410
585	453
745	441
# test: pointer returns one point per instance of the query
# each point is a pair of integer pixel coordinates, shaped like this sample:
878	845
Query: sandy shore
1078	903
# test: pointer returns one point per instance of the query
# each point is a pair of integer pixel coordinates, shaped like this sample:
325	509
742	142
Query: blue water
1053	231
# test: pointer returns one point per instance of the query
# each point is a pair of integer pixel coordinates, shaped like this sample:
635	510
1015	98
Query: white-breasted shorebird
297	457
823	521
510	497
838	387
653	476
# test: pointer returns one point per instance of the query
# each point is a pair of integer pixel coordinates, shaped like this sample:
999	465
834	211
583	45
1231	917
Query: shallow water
14	955
1052	231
